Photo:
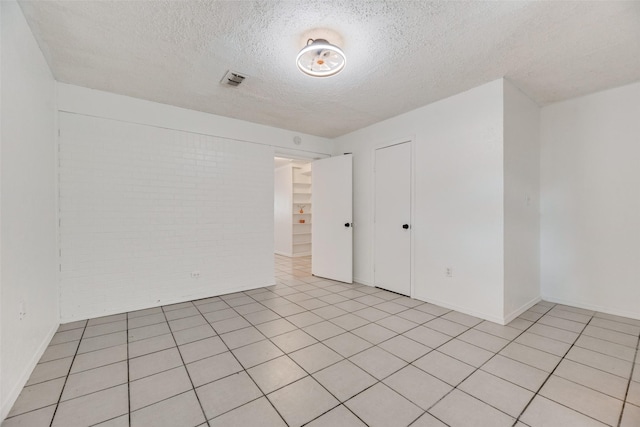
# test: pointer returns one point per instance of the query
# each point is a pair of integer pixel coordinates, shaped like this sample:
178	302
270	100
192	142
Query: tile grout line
537	393
184	365
244	370
626	393
478	369
55	411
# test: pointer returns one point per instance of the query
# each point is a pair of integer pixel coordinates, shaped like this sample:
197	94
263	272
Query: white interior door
392	268
331	201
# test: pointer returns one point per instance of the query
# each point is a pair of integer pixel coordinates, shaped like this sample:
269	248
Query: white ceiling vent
232	78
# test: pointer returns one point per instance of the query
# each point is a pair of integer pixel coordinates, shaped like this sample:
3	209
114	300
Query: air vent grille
232	78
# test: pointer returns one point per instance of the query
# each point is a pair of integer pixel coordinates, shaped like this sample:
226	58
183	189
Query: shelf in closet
299	234
302	243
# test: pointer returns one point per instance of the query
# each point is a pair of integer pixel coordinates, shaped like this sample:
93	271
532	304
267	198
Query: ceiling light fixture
319	58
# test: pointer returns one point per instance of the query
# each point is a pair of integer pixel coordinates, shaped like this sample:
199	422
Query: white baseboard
362	281
126	309
517	312
12	396
594	307
495	319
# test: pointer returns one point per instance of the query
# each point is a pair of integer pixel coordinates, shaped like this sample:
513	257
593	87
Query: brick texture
142	207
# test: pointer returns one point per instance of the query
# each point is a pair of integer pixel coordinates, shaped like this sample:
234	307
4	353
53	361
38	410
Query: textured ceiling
400	55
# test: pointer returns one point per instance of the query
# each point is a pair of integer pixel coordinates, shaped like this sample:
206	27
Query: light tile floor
314	352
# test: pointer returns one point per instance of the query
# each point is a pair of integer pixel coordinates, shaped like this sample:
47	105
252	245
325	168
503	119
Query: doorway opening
293	215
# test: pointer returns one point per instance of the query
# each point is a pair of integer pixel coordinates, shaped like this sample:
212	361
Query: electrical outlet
448	272
22	310
195	274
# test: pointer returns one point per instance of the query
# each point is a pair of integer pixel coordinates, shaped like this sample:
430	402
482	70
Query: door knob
405	226
347	224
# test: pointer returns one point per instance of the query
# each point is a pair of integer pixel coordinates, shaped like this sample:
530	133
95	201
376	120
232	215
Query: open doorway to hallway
292	208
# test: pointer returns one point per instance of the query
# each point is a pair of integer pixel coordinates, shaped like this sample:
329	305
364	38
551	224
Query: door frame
411	141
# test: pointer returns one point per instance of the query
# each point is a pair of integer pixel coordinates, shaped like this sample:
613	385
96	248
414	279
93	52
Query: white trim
593	307
166	302
517	312
375	147
464	310
12	396
362	281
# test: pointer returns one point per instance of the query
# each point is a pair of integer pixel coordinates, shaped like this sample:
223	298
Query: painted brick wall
142	207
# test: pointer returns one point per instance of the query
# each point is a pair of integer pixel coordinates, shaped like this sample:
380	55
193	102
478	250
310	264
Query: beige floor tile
258	412
339	416
612	336
428	420
378	362
197	333
582	399
429	337
256	353
543	412
630	416
181	410
276	374
404	348
380	406
516	372
95	380
446	368
150	345
417	386
347	344
503	395
92	408
154	363
349	321
202	349
315	357
226	394
463	319
155	388
595	379
554	333
539	342
505	332
213	368
302	401
530	356
458	409
38	418
50	370
601	361
607	347
633	395
483	340
37	396
467	353
294	340
242	337
323	330
445	326
344	379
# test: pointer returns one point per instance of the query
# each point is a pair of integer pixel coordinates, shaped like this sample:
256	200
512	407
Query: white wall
458	213
283	216
28	212
96	103
151	193
521	202
590	183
